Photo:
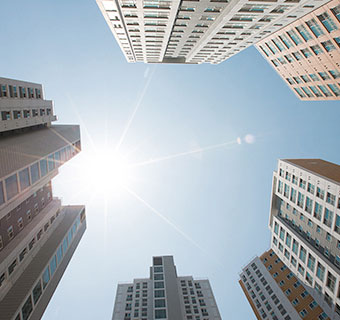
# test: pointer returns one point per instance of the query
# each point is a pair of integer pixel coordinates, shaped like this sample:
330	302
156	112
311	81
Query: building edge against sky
306	53
164	295
37	234
305	225
196	31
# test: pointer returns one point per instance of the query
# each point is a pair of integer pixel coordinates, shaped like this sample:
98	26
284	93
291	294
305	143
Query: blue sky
215	202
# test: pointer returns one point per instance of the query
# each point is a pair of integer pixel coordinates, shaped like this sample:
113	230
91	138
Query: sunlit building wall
274	292
37	234
164	295
306	53
201	31
305	225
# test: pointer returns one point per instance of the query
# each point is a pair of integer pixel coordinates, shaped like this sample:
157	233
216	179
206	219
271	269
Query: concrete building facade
306	53
37	234
305	225
194	32
164	295
274	292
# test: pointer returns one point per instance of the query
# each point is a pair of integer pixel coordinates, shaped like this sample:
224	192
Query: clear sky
208	208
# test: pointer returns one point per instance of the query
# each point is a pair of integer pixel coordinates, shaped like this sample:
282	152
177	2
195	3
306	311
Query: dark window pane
11	186
24	179
27	308
2	200
37	292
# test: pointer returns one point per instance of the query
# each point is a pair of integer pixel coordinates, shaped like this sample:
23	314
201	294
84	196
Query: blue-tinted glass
59	254
65	244
24	179
43	167
46	277
11	186
294	37
69	237
53	265
316	29
334	89
337	40
57	158
35	173
2	200
50	163
328	22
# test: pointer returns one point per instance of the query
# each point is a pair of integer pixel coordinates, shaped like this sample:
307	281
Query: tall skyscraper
274	292
306	53
37	235
305	224
201	31
164	295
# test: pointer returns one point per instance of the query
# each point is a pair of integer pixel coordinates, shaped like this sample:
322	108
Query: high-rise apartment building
37	235
305	224
274	292
306	53
164	295
201	31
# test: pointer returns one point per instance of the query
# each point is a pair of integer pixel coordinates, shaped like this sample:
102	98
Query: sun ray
82	123
165	219
139	102
185	153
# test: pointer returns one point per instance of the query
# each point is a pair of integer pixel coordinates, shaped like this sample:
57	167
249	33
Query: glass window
336	11
286	41
320	271
43	167
160	314
53	265
306	53
159	303
288	240
328	217
27	308
159	293
59	254
24	179
11	186
315	27
65	245
325	90
158	276
35	176
328	45
316	91
57	159
46	277
159	284
317	50
334	89
50	162
295	246
302	254
37	291
328	22
311	262
2	198
304	33
294	37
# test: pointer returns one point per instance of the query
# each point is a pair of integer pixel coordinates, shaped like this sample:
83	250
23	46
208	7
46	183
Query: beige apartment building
275	293
306	53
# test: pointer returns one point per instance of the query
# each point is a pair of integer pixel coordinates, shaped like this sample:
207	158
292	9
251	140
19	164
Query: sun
106	170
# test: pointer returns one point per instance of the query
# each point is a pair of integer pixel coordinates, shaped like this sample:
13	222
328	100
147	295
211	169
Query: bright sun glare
108	170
